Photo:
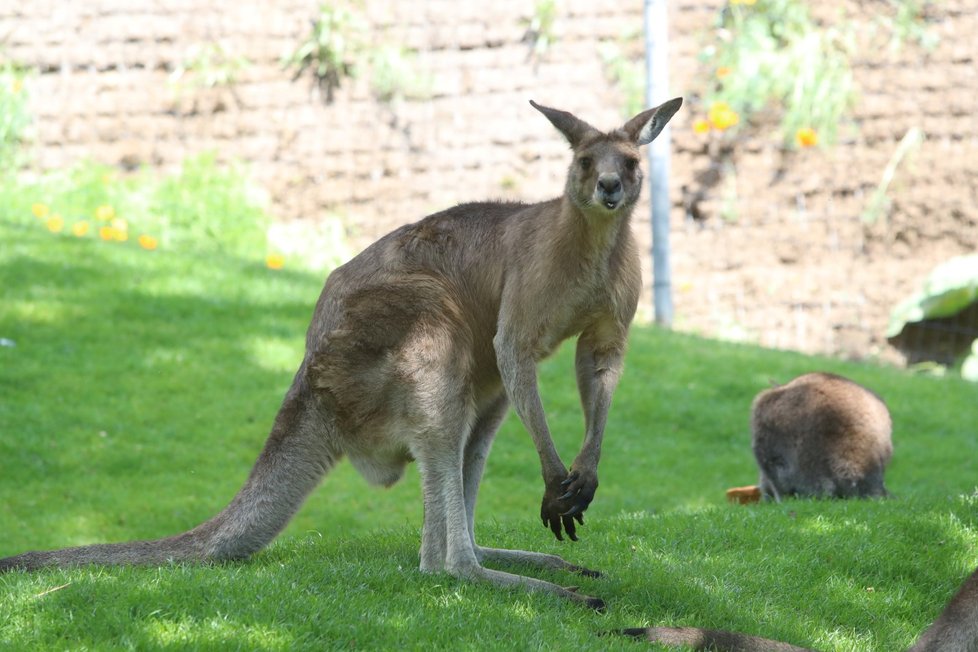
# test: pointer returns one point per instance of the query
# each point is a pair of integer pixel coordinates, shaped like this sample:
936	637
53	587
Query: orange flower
721	116
701	126
148	242
41	211
806	137
723	71
106	233
104	213
275	261
55	224
80	229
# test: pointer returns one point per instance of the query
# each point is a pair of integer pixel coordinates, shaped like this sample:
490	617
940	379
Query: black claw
566	481
573	511
569	494
596	603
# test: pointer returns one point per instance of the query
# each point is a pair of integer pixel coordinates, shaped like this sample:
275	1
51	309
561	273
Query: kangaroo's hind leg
445	538
476	453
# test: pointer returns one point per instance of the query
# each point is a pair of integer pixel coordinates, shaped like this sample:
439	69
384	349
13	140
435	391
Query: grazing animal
416	349
955	630
821	435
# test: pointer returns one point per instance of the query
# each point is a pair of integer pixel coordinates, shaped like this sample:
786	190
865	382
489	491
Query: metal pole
656	89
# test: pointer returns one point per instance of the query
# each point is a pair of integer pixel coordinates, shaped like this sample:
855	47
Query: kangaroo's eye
631	164
585	162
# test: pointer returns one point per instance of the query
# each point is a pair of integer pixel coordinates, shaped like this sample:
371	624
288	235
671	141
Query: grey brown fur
419	344
955	630
821	435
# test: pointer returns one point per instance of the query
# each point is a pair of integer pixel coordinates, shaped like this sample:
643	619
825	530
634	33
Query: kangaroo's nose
609	183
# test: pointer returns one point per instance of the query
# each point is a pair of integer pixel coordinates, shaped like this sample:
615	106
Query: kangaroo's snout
609	190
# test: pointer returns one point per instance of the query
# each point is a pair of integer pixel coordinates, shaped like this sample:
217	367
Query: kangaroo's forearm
597	379
520	380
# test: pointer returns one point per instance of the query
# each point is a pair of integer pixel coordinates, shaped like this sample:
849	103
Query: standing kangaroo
418	345
955	630
821	435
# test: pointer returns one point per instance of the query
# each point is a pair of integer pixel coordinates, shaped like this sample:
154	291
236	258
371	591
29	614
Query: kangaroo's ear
574	129
644	127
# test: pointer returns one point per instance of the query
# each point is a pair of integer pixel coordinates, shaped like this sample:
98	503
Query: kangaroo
418	345
955	630
821	435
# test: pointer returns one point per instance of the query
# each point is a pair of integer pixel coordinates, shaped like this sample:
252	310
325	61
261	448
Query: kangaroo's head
605	177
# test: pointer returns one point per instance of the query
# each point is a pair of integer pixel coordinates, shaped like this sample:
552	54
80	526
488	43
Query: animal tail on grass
710	639
295	457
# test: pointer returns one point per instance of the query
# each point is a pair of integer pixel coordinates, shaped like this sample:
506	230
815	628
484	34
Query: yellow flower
104	213
80	229
16	86
701	126
806	137
119	235
40	210
722	116
55	224
120	224
148	242
723	71
106	233
748	3
275	261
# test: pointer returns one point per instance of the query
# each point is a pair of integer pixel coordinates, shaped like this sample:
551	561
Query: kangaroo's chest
565	315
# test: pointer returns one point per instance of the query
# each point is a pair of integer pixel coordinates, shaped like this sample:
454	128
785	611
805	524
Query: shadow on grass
825	574
126	366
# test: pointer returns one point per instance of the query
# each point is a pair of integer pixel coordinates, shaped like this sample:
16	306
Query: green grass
142	385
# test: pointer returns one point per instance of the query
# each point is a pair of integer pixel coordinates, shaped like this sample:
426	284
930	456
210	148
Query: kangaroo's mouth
610	201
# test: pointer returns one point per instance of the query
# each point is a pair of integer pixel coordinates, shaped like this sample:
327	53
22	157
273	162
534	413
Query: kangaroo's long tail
297	454
711	639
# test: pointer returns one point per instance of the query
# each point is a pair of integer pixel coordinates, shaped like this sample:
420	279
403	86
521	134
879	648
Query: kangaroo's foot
500	578
537	559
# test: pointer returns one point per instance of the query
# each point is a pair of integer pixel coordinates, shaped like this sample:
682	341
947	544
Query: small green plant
331	49
771	56
394	75
627	74
208	66
14	117
539	35
907	24
879	202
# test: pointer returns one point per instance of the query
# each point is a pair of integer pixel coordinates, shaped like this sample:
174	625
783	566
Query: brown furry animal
821	435
418	345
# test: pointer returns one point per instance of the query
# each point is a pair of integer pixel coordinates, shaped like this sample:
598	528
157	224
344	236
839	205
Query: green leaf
948	289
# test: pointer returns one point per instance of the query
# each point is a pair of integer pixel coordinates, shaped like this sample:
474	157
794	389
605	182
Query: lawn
136	389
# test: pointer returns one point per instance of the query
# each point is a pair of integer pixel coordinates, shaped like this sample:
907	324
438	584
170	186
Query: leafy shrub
13	113
770	55
204	207
208	206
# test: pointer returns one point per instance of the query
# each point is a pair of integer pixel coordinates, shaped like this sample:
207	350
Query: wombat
821	435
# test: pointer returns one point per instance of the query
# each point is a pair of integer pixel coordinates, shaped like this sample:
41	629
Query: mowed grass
140	388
